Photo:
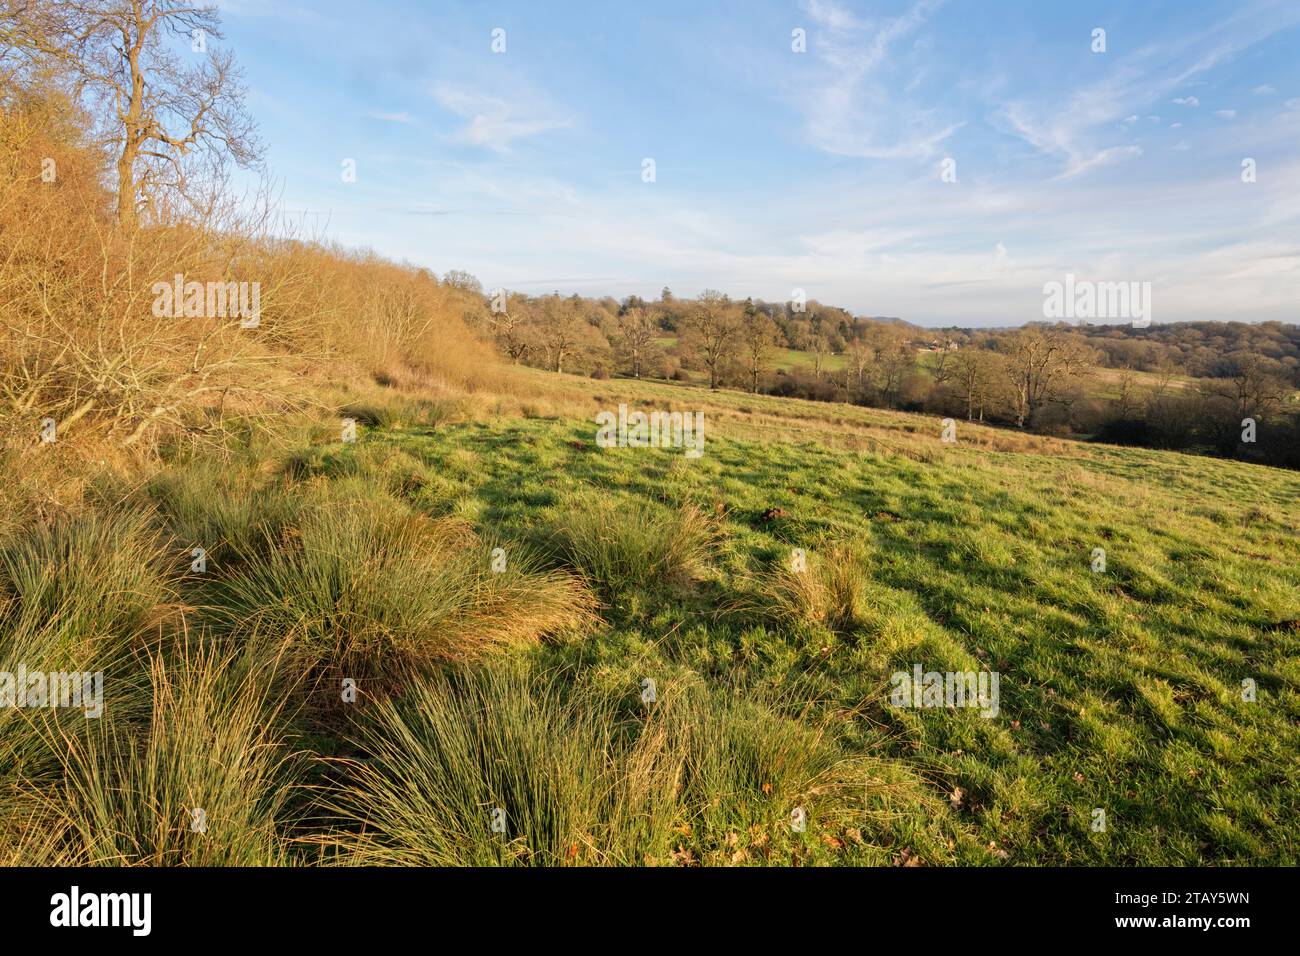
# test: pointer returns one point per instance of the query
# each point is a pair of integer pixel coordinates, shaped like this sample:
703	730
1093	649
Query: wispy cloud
1074	132
495	122
1052	175
1060	137
849	108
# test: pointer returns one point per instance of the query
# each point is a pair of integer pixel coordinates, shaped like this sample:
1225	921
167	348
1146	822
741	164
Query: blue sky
777	170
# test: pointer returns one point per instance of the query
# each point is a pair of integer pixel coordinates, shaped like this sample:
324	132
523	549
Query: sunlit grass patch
375	590
619	544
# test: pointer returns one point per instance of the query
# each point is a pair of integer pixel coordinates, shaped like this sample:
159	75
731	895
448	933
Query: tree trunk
126	217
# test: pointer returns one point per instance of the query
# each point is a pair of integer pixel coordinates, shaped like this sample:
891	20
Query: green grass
1120	690
628	545
375	590
521	683
784	360
573	771
206	779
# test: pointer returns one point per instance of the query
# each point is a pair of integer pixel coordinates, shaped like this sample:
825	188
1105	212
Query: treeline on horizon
90	221
1220	388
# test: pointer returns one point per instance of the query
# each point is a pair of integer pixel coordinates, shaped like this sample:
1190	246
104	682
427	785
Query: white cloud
1072	127
849	108
1060	136
1226	114
924	254
831	15
494	122
1264	90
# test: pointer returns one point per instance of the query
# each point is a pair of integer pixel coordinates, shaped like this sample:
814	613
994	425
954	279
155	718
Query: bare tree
27	36
636	332
816	339
1257	384
1126	401
465	281
942	366
710	328
1253	388
159	111
510	327
758	338
975	371
894	361
1041	364
861	359
561	328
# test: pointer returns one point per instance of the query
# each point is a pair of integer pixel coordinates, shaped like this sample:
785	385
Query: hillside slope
475	635
1121	689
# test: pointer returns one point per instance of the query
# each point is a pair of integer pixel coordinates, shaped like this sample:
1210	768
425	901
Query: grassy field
1104	382
784	360
607	652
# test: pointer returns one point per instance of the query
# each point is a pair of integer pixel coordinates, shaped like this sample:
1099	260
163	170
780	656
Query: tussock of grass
229	511
376	590
579	775
83	593
85	580
629	544
404	412
828	592
128	796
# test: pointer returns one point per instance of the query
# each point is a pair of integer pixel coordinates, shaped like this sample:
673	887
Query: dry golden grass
86	339
366	587
822	588
530	393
